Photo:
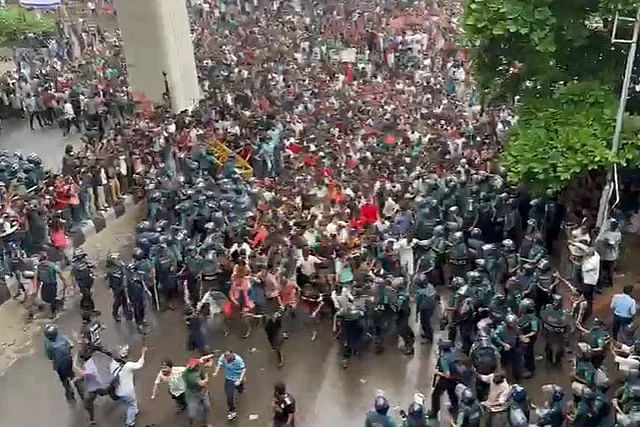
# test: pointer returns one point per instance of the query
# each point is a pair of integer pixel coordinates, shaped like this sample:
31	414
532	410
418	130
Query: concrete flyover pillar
156	37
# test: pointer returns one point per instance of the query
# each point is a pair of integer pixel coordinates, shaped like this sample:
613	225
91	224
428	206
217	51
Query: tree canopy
521	46
562	136
16	23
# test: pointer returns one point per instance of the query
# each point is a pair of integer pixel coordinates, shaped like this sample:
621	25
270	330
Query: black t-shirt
272	327
285	405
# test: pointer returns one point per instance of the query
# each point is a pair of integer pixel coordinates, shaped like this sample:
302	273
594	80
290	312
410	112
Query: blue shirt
623	305
233	370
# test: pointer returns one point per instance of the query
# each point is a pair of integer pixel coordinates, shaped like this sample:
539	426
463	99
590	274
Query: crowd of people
376	198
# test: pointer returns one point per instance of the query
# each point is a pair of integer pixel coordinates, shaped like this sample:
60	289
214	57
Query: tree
560	137
16	23
521	46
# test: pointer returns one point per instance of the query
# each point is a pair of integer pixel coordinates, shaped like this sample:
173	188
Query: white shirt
591	269
498	393
68	111
126	386
308	266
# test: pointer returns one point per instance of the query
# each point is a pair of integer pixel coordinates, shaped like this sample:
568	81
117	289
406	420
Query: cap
193	363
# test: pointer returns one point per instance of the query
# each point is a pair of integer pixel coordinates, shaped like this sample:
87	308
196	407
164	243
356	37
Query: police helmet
597	322
438	230
544	264
143	226
34	159
467	397
556	300
453	210
474	276
526	305
138	254
557	393
511	319
481	263
416	411
476	233
518	393
458	236
51	331
508	244
381	405
457	282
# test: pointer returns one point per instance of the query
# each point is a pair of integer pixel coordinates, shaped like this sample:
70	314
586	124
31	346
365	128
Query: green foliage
16	23
562	136
530	45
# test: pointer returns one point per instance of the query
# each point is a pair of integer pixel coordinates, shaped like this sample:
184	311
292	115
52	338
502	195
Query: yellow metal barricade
222	153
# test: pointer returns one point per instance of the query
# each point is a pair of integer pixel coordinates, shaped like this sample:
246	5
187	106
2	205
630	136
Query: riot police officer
554	327
470	412
425	306
627	404
416	415
194	263
136	290
529	326
519	408
146	271
378	417
457	255
82	271
485	359
597	338
552	414
507	337
48	273
444	379
475	244
117	280
403	313
166	268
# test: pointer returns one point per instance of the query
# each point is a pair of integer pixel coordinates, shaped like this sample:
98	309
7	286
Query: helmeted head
416	411
138	254
554	392
508	245
51	332
438	231
467	397
544	265
457	237
556	301
481	264
597	323
518	393
381	405
475	233
526	306
511	320
457	282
